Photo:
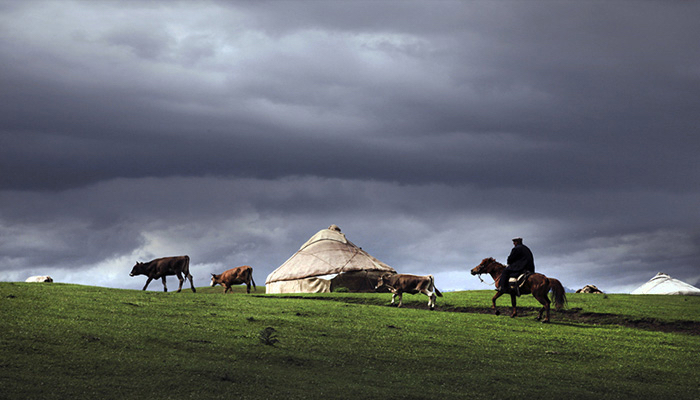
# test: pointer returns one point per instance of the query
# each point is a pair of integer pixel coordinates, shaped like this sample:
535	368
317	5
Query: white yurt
664	284
327	261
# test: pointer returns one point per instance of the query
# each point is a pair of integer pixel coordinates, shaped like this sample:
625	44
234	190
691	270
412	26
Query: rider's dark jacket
521	259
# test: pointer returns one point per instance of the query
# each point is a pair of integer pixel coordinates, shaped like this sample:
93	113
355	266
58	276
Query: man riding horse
520	260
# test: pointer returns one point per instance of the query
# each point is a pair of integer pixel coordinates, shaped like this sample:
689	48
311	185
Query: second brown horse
536	284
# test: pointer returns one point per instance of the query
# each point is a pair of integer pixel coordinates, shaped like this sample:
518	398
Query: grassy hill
69	341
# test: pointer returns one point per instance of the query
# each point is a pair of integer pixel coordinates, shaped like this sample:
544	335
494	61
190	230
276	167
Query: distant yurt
589	289
664	284
42	278
326	262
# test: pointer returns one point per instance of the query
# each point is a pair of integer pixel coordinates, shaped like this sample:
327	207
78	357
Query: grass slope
69	341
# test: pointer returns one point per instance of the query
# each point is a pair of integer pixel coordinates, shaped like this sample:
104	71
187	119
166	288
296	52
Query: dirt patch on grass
578	316
653	324
572	316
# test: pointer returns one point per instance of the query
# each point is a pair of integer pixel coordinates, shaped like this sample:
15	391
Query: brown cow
234	276
161	267
403	283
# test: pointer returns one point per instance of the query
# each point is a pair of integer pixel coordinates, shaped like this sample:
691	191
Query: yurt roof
664	284
328	252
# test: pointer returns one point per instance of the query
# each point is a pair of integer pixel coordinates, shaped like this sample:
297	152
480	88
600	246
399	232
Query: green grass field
61	341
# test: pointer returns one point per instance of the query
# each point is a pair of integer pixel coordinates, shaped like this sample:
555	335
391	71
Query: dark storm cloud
234	131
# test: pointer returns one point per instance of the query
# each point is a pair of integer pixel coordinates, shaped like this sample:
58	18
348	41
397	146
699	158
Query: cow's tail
435	289
186	268
558	293
253	281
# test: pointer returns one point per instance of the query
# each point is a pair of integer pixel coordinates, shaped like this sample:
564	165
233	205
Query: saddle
516	282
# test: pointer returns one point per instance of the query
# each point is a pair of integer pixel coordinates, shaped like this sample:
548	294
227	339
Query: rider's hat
517	239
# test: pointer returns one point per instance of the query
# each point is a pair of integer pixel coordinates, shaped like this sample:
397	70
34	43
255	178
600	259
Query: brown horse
536	284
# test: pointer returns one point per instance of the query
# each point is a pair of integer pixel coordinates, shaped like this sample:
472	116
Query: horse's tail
252	280
432	283
558	293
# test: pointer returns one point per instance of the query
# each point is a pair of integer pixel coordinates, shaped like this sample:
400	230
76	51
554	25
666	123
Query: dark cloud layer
431	133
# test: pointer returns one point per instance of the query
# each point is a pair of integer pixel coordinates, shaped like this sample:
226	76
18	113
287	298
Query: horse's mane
490	260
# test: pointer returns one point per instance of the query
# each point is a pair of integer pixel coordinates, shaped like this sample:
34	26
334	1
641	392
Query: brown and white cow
404	283
234	276
161	267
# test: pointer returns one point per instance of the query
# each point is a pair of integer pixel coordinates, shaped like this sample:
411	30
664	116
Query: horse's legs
493	302
147	282
515	309
545	305
165	287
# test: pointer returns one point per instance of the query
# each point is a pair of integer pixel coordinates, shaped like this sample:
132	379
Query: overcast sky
431	132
